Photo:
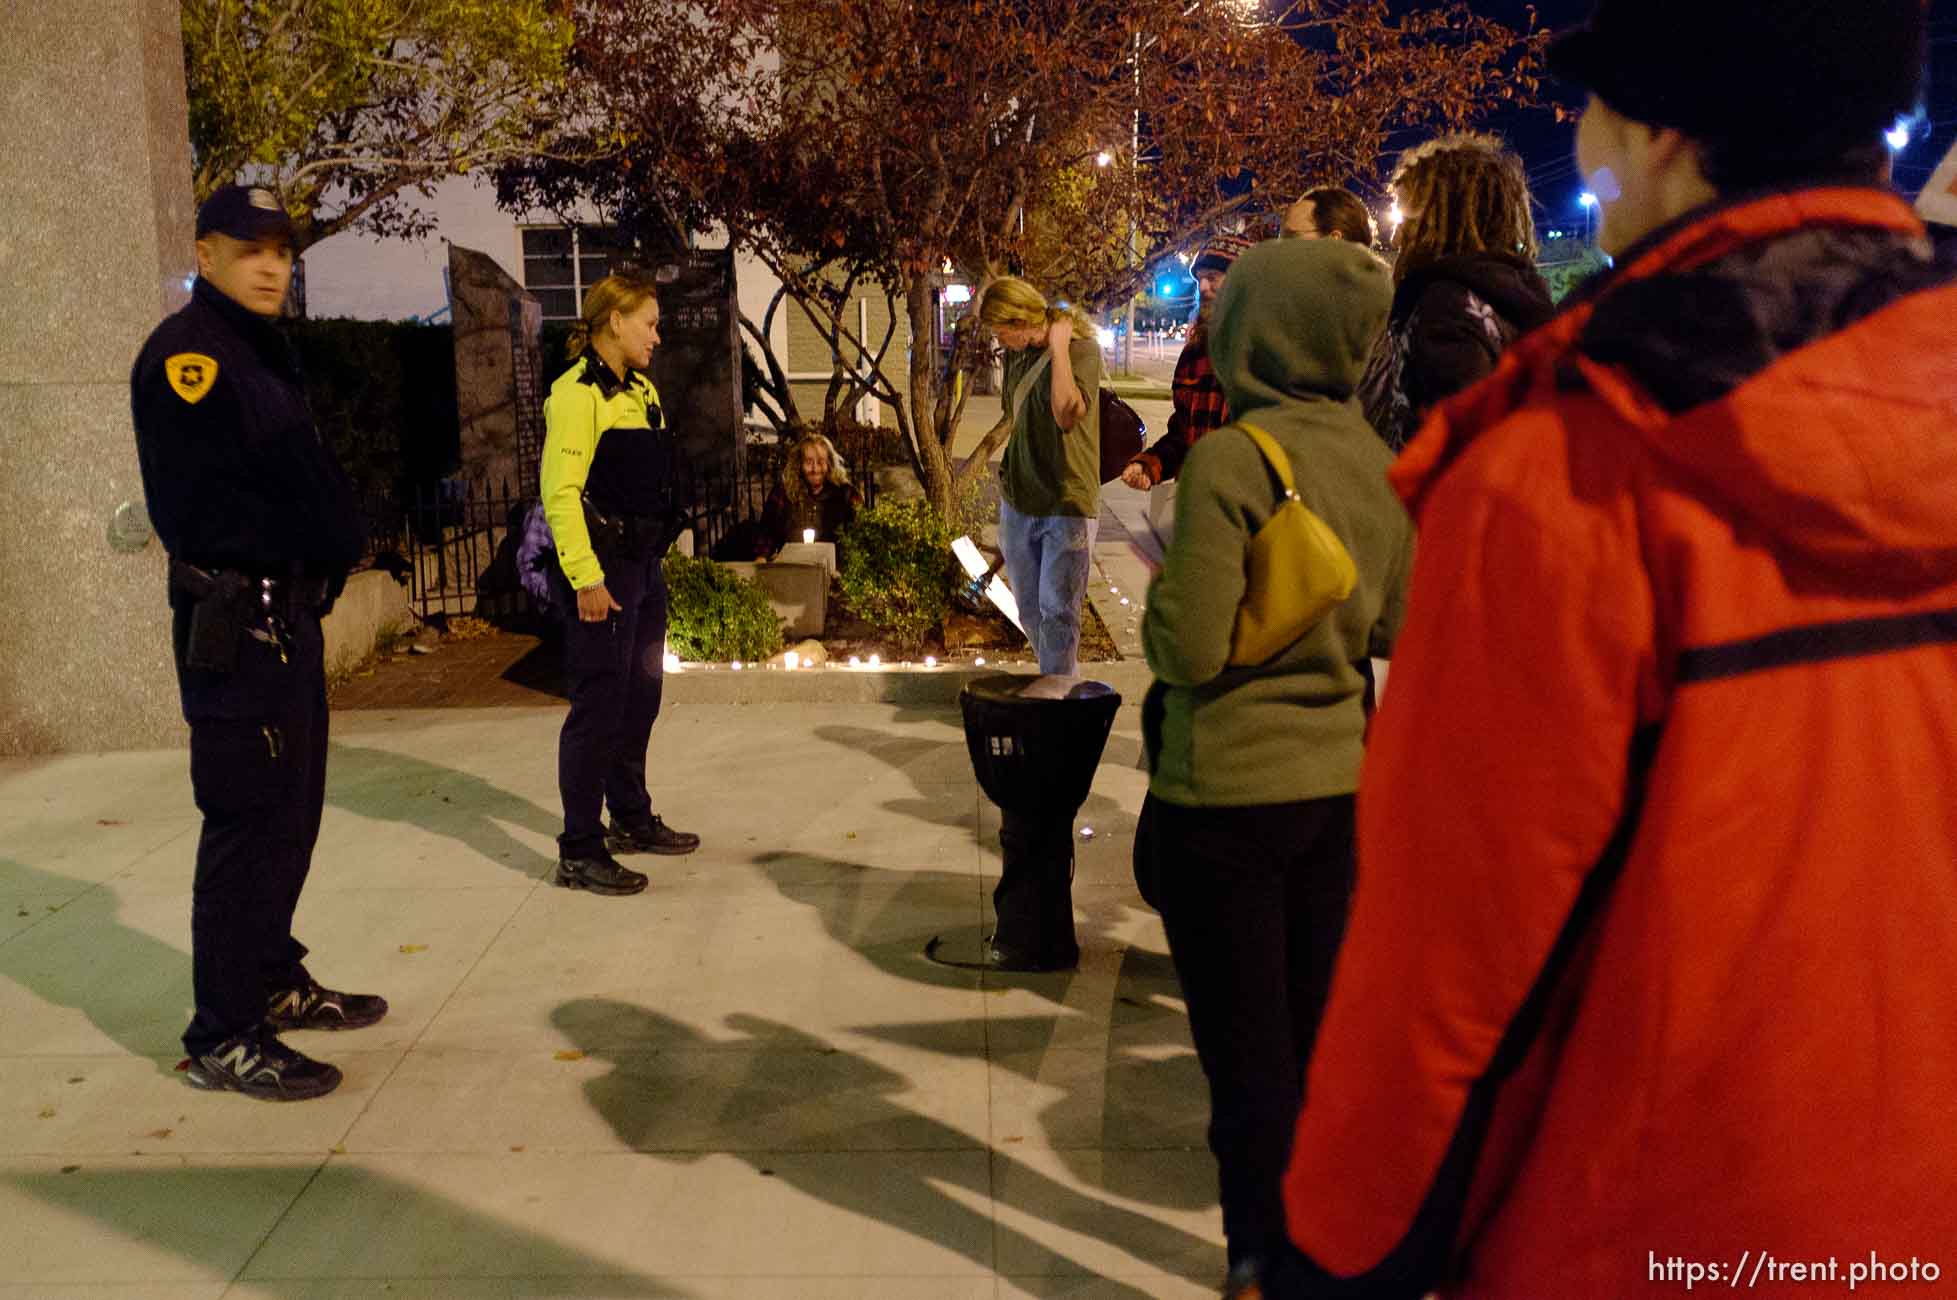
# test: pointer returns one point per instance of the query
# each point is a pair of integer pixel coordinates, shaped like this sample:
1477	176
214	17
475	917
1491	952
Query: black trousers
258	773
1254	901
617	673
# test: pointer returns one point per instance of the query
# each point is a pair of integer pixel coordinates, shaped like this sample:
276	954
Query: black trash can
1035	742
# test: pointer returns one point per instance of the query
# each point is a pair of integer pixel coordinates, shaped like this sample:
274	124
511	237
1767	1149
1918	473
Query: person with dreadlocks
1465	281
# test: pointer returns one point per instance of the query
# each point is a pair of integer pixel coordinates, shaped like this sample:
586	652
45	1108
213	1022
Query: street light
1588	202
1897	136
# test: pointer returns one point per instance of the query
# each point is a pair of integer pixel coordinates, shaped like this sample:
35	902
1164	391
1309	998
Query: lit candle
876	661
808	537
930	661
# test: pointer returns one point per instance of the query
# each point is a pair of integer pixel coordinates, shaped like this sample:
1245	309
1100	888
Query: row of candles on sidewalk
791	660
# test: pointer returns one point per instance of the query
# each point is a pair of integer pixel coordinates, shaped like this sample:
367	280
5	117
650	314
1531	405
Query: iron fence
454	542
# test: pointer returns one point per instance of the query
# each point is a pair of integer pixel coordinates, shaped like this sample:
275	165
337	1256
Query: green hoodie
1293	324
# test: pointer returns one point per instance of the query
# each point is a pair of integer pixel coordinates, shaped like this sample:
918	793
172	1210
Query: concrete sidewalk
745	1082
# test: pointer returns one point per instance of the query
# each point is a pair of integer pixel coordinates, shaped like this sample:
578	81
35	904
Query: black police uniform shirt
235	473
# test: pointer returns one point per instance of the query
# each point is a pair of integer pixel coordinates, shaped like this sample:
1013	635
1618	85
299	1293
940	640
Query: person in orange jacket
1651	973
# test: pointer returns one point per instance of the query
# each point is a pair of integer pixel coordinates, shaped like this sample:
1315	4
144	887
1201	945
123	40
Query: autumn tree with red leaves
880	143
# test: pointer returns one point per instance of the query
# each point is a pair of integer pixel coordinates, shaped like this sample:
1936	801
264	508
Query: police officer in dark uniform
261	526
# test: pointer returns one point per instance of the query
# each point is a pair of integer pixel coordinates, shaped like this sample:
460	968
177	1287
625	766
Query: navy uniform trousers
258	773
616	671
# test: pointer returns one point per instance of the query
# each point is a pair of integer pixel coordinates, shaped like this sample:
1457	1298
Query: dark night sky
1546	145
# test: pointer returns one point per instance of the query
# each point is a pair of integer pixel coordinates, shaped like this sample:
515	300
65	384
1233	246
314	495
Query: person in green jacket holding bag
1246	838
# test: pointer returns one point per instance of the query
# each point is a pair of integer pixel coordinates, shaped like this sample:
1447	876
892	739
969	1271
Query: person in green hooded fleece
1246	838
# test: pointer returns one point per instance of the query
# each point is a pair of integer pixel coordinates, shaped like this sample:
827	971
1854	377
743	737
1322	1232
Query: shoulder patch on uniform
191	375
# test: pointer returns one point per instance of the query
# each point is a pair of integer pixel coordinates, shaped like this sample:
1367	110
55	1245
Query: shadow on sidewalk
357	1224
1144	1090
936	903
1138	1087
632	1095
541	669
132	987
385	786
942	769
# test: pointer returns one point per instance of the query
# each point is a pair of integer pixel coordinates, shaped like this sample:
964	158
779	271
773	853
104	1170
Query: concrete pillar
96	225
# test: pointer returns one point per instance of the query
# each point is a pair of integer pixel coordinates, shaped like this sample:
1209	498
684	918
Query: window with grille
561	262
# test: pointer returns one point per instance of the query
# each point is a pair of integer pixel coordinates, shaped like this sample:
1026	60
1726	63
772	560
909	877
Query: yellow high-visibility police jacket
631	470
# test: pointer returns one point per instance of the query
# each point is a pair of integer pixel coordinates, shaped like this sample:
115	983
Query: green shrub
714	614
976	508
898	570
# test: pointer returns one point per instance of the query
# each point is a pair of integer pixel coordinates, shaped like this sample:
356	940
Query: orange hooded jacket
1653	954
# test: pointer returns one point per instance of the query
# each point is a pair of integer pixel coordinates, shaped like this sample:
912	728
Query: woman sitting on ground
815	495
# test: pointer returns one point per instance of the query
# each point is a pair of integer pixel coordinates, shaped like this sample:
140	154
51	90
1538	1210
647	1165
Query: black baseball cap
244	212
1733	69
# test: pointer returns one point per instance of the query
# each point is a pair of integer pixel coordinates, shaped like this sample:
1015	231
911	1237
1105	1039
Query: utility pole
1134	180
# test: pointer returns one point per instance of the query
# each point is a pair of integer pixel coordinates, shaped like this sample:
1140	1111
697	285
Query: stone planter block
799	593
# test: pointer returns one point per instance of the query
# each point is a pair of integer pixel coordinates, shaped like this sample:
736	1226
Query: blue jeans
1048	558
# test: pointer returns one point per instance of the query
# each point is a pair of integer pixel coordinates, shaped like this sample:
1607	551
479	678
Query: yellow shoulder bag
1296	572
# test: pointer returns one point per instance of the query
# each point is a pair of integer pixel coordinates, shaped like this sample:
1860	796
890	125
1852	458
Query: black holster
220	612
620	535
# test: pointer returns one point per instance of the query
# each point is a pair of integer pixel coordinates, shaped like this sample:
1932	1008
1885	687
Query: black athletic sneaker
314	1006
655	836
257	1064
600	874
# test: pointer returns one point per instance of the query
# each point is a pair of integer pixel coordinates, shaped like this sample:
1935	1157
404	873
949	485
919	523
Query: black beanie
1721	70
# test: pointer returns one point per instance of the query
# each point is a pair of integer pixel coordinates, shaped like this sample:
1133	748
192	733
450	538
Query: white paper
972	560
1938	202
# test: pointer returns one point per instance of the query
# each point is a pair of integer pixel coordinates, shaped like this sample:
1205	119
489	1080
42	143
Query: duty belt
284	594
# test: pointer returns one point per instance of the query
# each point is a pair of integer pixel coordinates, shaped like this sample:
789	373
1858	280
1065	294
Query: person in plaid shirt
1198	398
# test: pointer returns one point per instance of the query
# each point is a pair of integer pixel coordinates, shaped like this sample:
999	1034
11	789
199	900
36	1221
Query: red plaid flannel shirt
1199	409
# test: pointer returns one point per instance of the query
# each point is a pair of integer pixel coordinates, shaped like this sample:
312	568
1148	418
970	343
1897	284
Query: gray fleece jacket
1292	328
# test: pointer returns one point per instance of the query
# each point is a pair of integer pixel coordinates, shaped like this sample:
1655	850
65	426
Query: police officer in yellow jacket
608	492
261	527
